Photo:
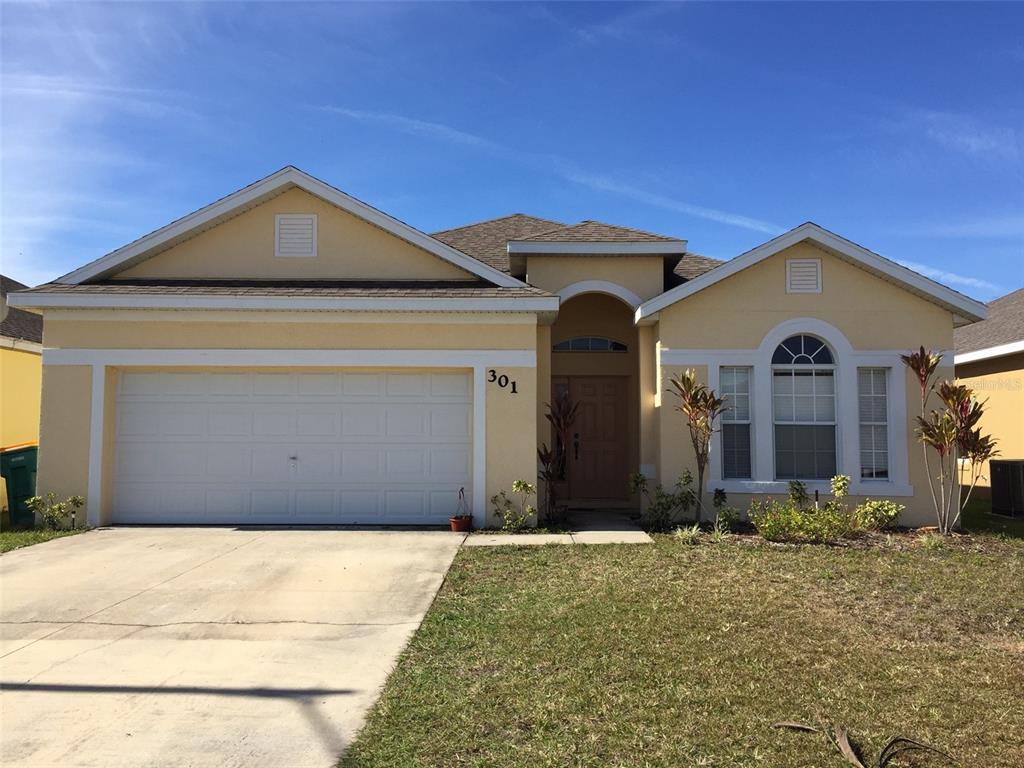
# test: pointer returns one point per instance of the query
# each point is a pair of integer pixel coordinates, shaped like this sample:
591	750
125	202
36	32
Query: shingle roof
597	232
694	265
1005	325
488	240
447	289
19	324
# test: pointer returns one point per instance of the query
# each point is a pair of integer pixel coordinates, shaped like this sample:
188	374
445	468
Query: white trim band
600	286
989	352
318	303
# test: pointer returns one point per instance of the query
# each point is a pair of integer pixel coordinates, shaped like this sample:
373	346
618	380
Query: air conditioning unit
1008	487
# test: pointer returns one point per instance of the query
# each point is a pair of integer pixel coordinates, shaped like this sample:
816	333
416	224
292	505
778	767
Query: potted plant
461	521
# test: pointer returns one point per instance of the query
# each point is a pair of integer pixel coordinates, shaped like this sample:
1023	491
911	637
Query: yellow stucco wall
643	275
133	330
347	248
737	312
20	378
64	430
1000	381
64	455
740	311
511	436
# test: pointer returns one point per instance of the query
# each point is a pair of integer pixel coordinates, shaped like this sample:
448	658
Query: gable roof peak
261	191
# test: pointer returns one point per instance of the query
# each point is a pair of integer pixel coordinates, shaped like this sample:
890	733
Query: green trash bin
18	468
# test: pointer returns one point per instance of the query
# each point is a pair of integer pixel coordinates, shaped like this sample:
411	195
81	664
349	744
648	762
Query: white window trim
847	440
102	359
789	275
277	236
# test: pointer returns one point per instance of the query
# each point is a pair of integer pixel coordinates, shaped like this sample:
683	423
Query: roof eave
989	353
638	248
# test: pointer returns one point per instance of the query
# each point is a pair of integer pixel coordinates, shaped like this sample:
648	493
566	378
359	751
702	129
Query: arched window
589	344
804	409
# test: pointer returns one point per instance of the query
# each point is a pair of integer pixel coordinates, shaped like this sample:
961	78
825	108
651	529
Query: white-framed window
804	409
295	235
734	385
873	410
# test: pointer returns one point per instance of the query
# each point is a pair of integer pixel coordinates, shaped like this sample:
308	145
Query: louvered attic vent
295	235
803	276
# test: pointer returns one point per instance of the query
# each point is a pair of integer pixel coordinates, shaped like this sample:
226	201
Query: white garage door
280	448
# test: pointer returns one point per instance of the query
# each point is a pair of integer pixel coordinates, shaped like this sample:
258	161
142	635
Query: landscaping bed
685	654
17	539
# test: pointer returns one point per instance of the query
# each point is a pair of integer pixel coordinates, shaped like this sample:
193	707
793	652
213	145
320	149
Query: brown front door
597	446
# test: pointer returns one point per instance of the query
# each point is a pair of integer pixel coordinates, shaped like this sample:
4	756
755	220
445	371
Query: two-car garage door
279	448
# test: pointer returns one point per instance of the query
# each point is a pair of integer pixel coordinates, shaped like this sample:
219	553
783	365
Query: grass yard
677	655
17	539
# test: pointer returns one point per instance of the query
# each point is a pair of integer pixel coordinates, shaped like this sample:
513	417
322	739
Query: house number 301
503	381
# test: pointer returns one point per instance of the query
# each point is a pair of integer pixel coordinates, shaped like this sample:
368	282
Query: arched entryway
594	357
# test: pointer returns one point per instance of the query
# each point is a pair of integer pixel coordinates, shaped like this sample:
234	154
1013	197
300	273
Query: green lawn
17	539
677	655
978	518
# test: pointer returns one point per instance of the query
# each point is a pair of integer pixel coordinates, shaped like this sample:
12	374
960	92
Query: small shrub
726	517
687	534
877	514
54	514
514	517
663	508
799	520
932	541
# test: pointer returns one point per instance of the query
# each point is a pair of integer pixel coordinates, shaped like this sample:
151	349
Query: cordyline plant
701	406
561	415
952	432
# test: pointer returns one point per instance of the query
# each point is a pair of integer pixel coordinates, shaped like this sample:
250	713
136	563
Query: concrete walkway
586	527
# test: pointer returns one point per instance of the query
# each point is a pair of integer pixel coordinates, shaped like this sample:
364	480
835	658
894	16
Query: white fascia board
177	301
989	352
967	307
638	248
286	177
275	358
21	345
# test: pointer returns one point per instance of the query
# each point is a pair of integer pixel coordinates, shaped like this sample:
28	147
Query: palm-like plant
701	406
953	434
561	415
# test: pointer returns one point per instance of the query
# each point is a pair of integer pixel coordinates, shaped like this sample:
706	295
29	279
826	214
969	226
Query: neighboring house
290	354
990	359
21	368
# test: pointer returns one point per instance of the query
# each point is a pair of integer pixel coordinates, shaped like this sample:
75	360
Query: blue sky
900	127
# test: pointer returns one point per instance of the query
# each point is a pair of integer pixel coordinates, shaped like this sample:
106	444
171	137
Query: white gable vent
803	276
295	234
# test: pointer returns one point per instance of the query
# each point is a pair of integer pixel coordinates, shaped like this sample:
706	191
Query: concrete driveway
205	646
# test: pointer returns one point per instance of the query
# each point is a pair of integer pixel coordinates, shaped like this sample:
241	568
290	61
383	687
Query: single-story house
990	359
290	354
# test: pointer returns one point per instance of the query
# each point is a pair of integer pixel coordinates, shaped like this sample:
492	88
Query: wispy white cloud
968	135
605	184
551	164
952	278
411	126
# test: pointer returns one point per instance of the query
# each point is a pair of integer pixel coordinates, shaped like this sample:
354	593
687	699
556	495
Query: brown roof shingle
1005	325
446	289
590	231
19	324
488	240
694	265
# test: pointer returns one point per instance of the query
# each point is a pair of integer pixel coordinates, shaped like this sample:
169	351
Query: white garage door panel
219	447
